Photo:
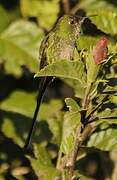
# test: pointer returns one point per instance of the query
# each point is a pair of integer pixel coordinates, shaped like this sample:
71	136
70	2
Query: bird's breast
60	49
66	52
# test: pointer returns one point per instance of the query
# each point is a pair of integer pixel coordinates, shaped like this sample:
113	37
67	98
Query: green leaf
4	19
85	178
53	107
53	118
72	105
109	115
45	11
78	90
16	117
42	164
71	122
104	138
106	18
9	130
113	99
92	68
55	125
65	69
86	42
16	103
19	45
42	155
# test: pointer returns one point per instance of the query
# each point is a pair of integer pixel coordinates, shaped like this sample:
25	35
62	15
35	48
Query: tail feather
42	87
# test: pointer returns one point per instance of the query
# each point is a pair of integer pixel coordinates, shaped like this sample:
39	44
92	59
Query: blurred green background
23	24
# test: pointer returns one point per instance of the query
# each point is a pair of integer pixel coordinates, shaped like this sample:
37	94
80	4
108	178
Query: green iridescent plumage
60	42
57	45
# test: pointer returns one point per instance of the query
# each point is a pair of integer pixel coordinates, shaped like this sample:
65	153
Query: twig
59	159
86	99
97	107
71	163
66	6
80	138
81	134
74	9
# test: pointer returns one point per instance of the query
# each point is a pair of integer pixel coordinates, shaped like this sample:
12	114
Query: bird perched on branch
59	44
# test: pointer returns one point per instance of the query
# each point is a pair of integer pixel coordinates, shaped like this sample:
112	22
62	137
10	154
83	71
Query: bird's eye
71	22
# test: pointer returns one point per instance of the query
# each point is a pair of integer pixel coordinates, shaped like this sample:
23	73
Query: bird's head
70	26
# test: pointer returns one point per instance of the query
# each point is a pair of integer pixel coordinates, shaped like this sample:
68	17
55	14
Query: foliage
22	28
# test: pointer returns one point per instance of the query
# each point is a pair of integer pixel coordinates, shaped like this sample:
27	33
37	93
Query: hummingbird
57	45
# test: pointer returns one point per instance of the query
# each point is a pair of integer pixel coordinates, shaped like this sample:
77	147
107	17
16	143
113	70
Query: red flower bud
100	51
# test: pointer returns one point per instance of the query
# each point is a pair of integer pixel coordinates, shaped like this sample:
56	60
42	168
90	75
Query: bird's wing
42	52
43	49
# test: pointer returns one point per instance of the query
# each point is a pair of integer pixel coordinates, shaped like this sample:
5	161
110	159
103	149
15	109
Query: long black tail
42	87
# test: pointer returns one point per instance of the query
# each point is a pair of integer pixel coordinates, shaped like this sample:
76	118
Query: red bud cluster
100	51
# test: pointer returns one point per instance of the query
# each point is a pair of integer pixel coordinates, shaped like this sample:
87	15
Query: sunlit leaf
65	69
19	46
16	115
104	137
16	104
9	130
45	11
72	105
106	18
86	42
42	164
4	19
92	68
54	106
71	122
109	115
106	21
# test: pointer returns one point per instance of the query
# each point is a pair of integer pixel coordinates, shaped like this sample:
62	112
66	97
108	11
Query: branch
80	138
86	99
82	133
74	9
96	108
66	6
71	162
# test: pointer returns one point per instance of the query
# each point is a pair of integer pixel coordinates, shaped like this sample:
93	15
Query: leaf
42	155
55	125
78	90
113	99
104	138
42	164
108	115
92	68
16	103
65	69
53	118
71	122
4	19
19	45
53	107
106	18
86	42
9	130
72	105
45	11
16	117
